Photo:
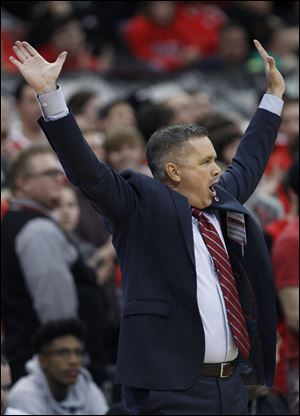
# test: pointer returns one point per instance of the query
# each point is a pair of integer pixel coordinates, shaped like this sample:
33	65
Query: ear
20	182
173	172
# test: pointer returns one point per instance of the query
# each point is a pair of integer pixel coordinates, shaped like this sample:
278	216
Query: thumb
61	58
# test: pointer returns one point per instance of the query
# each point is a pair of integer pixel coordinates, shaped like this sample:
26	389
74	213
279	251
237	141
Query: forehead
45	160
66	341
200	147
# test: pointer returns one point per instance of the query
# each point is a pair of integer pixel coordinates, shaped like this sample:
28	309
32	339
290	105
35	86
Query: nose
216	169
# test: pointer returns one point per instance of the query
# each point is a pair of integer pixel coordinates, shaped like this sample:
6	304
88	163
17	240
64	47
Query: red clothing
163	47
281	157
285	258
76	63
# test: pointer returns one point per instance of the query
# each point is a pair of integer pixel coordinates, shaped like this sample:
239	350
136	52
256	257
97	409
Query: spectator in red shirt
66	34
169	36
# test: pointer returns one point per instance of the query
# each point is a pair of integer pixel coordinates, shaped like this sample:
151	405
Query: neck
58	390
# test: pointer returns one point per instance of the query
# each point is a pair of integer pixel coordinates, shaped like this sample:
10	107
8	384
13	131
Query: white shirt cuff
53	105
272	103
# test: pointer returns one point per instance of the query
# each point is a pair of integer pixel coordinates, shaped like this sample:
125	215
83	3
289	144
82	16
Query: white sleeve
53	105
271	103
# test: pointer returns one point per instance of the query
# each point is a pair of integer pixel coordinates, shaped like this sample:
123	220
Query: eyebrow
214	157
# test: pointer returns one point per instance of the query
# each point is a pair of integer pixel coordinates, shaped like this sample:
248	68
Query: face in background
6	111
69	37
195	172
5	385
43	182
183	107
126	156
233	45
28	107
62	360
161	12
68	211
120	115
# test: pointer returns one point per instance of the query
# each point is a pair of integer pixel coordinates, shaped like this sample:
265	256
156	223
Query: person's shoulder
15	412
96	399
43	226
24	389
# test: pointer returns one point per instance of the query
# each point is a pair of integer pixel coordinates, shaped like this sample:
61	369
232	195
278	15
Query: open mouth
212	190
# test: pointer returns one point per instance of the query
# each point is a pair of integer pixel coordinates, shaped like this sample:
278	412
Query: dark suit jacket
161	343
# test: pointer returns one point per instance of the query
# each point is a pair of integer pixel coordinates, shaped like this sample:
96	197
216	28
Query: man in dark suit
199	305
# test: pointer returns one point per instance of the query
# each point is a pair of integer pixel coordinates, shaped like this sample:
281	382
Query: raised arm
108	191
248	165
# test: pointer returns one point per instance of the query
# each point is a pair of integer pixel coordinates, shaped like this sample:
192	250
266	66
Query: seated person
57	382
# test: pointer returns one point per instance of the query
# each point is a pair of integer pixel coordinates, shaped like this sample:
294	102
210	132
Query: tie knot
196	213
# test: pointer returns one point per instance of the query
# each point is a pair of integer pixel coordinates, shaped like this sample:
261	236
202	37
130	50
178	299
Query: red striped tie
223	268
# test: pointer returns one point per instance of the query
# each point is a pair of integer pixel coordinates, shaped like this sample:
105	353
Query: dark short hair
21	164
78	100
57	329
169	142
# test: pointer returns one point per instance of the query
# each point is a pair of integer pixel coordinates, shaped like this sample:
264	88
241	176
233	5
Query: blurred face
69	37
161	12
5	118
202	105
5	385
91	111
290	122
44	181
183	106
121	115
196	172
128	156
28	107
68	211
62	360
233	45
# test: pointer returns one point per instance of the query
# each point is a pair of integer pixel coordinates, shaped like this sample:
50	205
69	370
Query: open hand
275	81
39	73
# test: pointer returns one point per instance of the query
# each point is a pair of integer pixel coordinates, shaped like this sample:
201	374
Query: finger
263	53
19	54
29	49
271	62
22	49
15	62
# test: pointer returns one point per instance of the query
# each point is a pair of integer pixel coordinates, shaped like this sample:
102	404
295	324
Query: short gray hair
168	141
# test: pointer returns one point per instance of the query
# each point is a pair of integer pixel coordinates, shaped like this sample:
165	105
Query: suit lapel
185	219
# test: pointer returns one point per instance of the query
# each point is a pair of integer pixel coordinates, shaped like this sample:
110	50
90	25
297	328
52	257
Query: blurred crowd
132	67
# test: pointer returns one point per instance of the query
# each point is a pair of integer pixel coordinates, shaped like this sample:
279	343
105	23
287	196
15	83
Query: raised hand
275	81
39	73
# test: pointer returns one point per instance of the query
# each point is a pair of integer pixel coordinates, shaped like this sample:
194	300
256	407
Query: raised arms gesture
275	82
39	73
